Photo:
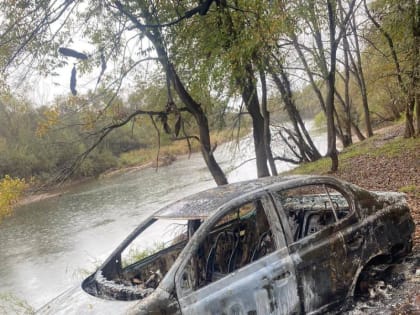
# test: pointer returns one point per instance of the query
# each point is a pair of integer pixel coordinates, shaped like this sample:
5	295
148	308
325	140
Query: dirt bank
42	192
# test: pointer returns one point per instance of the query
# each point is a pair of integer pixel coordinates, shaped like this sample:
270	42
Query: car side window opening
239	238
312	208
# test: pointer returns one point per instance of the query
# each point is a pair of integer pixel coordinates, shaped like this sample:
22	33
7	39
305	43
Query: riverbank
131	161
77	224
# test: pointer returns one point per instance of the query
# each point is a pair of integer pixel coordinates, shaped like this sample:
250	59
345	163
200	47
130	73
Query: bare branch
288	160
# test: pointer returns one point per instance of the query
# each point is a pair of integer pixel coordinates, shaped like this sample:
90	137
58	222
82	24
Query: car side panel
390	230
326	265
267	286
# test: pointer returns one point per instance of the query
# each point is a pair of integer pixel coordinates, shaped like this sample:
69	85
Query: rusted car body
277	245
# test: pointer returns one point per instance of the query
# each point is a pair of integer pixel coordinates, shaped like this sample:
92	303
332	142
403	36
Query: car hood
76	301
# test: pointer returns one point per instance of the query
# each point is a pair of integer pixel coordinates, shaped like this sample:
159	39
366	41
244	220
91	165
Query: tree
312	16
228	40
402	46
300	137
11	189
109	26
358	72
235	48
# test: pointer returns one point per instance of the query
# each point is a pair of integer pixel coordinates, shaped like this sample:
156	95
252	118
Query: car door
324	242
262	281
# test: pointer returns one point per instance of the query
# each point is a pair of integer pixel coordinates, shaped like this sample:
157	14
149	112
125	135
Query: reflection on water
47	246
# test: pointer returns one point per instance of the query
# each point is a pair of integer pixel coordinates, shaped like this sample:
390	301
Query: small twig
240	164
285	159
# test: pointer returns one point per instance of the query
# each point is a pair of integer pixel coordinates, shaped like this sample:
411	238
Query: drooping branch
102	133
194	107
48	19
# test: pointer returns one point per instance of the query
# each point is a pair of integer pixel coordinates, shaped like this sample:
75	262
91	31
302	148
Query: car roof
203	204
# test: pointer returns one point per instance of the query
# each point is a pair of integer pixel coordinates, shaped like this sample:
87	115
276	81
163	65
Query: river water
50	245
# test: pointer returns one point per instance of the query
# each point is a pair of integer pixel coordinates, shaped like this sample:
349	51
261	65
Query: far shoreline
36	194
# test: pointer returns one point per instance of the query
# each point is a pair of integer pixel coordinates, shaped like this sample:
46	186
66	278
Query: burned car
277	245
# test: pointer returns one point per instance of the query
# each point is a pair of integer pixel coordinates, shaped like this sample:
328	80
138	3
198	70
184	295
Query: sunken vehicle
277	245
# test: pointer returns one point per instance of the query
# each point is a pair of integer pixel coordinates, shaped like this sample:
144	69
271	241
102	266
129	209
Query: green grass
413	189
373	147
321	166
396	147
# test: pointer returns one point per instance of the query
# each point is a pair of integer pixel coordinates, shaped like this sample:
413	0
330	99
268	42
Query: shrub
11	189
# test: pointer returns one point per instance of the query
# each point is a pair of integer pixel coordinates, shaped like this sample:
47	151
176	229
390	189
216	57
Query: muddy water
48	246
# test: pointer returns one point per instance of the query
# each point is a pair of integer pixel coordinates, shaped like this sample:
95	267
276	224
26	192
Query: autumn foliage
11	189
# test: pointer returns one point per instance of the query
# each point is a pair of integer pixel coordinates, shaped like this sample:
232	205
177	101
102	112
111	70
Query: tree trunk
410	130
418	109
250	97
416	53
203	126
314	86
409	108
409	117
355	127
360	77
308	151
267	132
357	131
347	108
193	107
331	137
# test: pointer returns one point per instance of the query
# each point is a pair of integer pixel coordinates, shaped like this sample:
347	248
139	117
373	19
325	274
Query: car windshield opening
144	261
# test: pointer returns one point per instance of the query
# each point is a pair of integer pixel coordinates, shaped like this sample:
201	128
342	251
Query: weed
136	254
413	189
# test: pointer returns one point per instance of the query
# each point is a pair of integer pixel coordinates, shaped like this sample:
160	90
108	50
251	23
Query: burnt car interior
239	238
138	269
242	236
312	208
145	268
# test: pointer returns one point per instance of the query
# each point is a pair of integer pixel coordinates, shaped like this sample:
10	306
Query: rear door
324	241
249	272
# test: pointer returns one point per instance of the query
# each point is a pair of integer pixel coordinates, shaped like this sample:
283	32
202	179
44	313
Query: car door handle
282	275
355	242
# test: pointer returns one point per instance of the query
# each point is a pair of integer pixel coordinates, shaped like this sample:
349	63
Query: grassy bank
173	149
135	159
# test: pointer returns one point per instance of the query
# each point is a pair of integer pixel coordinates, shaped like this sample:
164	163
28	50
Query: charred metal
278	245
